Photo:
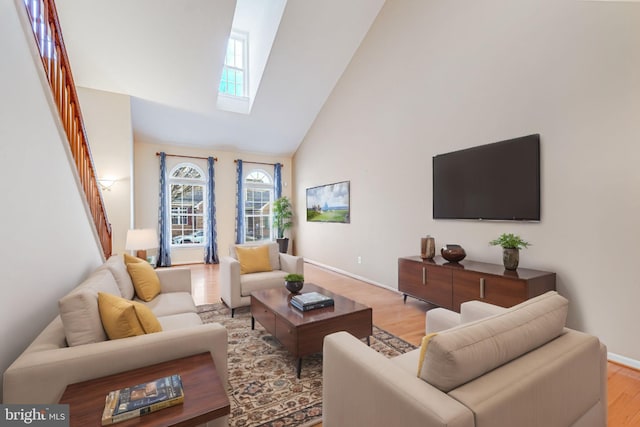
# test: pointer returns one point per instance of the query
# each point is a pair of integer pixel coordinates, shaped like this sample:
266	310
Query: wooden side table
205	398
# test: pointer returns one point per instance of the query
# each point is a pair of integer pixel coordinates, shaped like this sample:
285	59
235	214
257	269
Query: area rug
264	390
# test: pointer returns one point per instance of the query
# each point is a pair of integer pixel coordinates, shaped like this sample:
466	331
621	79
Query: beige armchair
236	288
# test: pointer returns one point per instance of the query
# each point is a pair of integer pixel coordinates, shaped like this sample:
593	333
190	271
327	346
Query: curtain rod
257	163
215	159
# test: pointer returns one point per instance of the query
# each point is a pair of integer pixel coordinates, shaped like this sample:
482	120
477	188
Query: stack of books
141	399
311	300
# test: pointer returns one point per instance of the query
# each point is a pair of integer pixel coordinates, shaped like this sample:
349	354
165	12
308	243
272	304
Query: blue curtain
164	251
239	204
277	178
211	251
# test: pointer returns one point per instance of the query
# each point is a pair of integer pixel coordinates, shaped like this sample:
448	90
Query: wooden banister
46	29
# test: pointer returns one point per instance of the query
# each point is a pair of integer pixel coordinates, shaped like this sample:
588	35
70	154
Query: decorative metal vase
427	247
510	258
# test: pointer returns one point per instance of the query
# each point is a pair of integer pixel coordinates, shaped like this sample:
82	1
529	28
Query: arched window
187	199
258	196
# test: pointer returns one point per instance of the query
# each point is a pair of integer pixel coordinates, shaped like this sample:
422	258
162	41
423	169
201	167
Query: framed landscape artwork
328	203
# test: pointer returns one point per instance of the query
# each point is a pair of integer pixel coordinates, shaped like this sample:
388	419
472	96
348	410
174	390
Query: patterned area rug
264	390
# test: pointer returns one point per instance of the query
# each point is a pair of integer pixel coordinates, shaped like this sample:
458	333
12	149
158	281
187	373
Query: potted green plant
283	220
511	245
294	282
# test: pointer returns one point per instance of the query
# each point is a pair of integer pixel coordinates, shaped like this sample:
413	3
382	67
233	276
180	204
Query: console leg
253	323
368	340
405	298
233	310
299	366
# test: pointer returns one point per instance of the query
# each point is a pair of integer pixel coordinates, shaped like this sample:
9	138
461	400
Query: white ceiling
168	55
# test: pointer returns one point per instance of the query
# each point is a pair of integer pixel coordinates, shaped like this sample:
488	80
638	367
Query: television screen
499	181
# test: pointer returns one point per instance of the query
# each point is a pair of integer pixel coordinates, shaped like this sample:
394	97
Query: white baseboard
348	274
622	360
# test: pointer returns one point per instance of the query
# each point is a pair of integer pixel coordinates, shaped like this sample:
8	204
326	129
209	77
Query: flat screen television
499	181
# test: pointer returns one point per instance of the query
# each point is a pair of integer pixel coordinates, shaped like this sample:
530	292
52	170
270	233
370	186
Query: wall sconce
106	183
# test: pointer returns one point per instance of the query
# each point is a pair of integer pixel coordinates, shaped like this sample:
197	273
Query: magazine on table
141	399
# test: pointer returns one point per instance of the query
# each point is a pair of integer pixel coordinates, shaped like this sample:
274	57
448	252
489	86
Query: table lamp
140	240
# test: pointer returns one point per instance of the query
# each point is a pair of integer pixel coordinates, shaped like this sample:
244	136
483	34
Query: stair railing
46	29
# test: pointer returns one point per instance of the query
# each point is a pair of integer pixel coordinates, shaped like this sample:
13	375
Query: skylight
255	24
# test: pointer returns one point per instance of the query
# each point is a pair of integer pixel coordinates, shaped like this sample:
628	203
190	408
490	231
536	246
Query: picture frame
329	203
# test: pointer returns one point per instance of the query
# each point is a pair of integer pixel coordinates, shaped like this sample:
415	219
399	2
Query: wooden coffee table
205	398
302	333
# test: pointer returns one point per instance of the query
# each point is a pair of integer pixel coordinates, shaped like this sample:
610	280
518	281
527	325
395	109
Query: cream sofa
518	367
49	364
236	288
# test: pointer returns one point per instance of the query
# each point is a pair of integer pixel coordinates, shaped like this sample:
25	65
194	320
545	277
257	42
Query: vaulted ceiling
168	55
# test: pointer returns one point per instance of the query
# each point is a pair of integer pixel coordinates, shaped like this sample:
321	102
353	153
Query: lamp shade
141	239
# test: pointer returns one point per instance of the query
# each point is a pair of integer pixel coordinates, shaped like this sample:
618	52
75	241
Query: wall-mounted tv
498	181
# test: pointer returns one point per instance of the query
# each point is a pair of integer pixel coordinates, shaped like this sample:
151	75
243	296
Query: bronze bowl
453	253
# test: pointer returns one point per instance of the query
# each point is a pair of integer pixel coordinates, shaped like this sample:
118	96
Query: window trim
246	185
243	37
202	181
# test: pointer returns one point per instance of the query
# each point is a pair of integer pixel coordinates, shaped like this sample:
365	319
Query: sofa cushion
274	252
79	309
179	321
253	259
423	349
166	304
124	318
118	268
460	354
145	280
130	259
259	281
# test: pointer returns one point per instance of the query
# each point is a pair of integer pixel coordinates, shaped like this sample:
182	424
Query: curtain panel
211	250
277	180
239	204
164	234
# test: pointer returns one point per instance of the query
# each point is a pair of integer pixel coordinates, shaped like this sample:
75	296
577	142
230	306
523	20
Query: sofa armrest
229	281
174	279
292	263
471	311
361	387
41	376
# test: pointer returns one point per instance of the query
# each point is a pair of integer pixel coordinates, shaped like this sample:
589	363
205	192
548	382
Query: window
234	73
258	195
187	186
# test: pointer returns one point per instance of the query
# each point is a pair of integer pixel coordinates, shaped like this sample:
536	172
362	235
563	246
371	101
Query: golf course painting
328	203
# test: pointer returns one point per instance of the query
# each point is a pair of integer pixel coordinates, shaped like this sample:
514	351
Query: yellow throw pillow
423	349
253	259
147	319
145	280
118	317
128	259
122	318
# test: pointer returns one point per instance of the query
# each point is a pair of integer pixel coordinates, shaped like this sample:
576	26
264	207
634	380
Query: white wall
147	166
107	119
434	76
48	245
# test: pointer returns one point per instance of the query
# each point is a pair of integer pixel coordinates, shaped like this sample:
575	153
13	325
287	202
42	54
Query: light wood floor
408	322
